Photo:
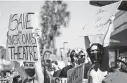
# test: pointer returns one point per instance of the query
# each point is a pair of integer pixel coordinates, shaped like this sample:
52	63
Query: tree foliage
54	15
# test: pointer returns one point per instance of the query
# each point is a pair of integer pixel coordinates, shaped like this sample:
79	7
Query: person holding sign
76	59
65	69
95	74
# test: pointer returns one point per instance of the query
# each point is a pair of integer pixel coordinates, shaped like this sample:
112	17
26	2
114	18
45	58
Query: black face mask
81	60
96	57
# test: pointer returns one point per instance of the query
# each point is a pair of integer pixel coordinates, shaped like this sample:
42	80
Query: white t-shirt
97	76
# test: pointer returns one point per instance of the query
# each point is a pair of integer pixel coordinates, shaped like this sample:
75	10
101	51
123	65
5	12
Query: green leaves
54	14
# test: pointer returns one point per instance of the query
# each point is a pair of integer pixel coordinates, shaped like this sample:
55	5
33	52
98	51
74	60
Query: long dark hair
101	49
72	55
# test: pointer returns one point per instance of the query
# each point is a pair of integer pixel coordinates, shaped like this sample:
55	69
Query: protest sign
47	54
58	80
76	74
62	80
99	24
21	42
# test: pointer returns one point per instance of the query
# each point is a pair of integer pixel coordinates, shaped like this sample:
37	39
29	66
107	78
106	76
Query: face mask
81	60
96	57
76	62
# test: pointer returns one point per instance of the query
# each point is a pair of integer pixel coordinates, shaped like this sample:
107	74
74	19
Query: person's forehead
94	47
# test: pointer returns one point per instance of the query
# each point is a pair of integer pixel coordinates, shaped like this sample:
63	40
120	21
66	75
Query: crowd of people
92	60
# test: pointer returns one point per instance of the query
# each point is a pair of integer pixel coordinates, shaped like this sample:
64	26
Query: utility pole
61	54
65	56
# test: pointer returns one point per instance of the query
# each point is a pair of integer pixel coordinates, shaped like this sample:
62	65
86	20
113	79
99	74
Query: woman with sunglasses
76	59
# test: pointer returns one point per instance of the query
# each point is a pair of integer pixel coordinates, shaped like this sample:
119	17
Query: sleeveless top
96	76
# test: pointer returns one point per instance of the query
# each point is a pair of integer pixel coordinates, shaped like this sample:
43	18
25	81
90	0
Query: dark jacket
65	69
57	73
63	73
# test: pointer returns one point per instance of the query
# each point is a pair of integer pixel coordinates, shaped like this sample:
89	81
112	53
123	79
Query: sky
80	15
7	8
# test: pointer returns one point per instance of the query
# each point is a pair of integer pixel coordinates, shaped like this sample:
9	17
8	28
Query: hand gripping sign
76	74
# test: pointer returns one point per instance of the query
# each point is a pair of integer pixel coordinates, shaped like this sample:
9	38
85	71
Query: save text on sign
21	42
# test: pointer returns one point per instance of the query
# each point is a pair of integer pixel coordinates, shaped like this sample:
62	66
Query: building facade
120	35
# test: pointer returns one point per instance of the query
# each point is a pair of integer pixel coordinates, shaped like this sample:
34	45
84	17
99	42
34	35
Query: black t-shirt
57	73
65	69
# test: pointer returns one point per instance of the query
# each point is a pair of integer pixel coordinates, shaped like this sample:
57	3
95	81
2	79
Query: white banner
100	22
58	80
62	80
21	42
76	74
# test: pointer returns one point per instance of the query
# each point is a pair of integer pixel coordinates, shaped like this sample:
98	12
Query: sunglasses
95	50
82	56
